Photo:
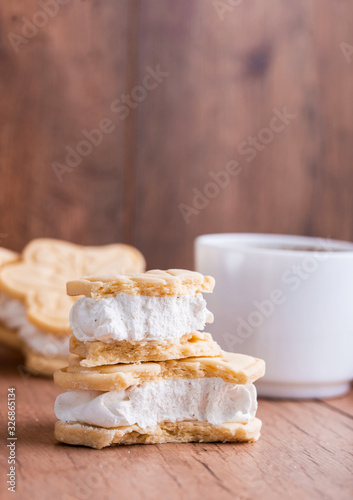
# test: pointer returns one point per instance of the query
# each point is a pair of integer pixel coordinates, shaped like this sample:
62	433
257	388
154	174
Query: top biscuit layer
154	283
39	277
7	256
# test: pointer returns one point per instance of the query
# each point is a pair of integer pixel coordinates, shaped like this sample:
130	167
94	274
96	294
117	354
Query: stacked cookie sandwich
143	370
33	300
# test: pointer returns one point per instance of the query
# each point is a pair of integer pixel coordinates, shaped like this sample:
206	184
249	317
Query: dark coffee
300	248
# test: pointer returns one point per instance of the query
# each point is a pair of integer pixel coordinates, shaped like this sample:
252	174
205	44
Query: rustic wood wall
230	63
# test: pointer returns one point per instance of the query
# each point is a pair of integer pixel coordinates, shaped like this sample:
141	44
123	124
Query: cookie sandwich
10	309
37	282
152	316
144	372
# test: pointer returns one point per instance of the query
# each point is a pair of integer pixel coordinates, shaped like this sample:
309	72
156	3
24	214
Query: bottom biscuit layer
39	364
167	432
100	353
10	338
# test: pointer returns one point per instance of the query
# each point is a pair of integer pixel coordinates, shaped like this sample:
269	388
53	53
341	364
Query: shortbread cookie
10	338
12	318
182	387
38	364
210	400
8	335
161	306
102	353
155	283
39	279
231	367
33	298
167	432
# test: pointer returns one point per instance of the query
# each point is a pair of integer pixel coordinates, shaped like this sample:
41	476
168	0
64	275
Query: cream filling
208	400
47	344
13	315
138	317
12	312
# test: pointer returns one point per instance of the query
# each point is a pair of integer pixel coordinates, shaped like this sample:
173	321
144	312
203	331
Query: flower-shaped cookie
39	278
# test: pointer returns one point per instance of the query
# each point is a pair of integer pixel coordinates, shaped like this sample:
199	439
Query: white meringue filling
13	315
138	317
47	344
12	312
208	400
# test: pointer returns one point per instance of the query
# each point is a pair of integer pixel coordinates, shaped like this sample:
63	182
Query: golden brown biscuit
231	367
38	364
100	353
10	338
46	264
154	283
166	432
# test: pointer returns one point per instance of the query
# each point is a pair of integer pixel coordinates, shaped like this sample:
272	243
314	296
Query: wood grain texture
62	81
305	451
226	77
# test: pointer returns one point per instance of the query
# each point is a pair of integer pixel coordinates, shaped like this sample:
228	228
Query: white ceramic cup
278	299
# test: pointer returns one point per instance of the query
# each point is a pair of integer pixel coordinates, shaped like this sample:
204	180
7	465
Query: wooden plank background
227	72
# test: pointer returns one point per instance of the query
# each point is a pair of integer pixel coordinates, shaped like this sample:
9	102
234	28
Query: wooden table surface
305	452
